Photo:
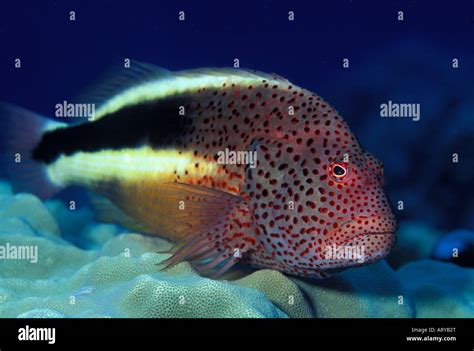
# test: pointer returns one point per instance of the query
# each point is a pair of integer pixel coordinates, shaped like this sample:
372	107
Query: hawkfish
160	157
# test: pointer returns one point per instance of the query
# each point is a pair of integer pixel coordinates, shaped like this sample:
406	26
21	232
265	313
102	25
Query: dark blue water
60	57
407	61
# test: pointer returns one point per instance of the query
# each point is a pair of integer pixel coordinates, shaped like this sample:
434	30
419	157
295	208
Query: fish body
153	155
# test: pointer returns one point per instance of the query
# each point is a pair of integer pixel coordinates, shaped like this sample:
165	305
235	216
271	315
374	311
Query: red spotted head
360	222
327	209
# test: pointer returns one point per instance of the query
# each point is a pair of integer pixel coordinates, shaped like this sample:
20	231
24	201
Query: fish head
359	212
356	222
344	217
318	197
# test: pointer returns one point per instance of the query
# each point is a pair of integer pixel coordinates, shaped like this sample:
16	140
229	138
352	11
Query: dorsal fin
235	72
119	78
143	82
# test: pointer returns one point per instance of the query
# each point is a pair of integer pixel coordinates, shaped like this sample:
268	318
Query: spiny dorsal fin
119	78
236	72
144	82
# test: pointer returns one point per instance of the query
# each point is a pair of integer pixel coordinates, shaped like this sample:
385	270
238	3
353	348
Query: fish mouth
377	219
360	250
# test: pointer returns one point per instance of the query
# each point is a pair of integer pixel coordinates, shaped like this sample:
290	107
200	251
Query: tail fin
20	132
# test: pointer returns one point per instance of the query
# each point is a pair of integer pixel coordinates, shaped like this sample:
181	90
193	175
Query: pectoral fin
218	224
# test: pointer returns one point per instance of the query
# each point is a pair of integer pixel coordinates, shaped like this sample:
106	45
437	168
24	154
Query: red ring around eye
339	170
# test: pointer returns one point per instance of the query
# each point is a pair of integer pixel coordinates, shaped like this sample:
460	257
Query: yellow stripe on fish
127	165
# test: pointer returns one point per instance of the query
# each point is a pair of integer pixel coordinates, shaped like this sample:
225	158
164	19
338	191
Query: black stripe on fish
155	122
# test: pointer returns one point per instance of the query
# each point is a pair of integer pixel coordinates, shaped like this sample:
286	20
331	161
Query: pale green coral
30	209
41	313
123	281
281	290
371	291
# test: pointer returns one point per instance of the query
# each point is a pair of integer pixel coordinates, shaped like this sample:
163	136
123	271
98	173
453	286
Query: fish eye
339	170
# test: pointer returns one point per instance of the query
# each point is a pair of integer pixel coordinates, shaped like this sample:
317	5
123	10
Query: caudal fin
20	132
